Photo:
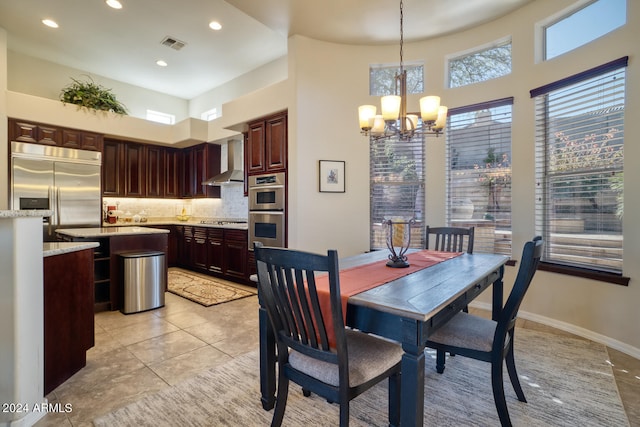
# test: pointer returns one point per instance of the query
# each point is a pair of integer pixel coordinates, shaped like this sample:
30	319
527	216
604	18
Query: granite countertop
24	213
59	248
193	223
109	231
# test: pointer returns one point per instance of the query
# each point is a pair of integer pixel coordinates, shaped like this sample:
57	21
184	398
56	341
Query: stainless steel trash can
144	279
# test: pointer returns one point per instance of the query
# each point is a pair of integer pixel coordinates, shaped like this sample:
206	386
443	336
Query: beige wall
45	79
330	81
4	151
326	82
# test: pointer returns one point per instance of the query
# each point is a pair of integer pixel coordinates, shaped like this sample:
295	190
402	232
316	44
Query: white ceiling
124	44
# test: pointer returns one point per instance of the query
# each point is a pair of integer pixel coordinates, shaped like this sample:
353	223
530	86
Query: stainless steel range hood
234	173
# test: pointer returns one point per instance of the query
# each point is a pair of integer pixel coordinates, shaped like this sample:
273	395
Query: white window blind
479	173
579	168
397	187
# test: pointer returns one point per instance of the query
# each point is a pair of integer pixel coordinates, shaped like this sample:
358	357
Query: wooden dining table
408	310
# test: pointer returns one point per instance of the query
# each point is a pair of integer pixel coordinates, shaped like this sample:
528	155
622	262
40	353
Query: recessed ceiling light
161	63
114	4
50	23
215	25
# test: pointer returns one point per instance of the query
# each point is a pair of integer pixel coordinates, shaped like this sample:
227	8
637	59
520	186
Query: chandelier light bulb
391	107
366	113
429	108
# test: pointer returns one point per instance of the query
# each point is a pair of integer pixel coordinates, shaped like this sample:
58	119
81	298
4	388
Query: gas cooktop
214	221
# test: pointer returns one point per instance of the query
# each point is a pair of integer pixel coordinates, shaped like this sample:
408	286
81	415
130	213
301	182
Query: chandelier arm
405	126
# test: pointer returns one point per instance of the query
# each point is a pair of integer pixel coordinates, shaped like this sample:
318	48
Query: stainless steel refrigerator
64	180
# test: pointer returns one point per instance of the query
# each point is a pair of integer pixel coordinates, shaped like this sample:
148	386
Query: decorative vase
398	241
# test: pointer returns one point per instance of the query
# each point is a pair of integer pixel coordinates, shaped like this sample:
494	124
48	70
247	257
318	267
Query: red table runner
364	277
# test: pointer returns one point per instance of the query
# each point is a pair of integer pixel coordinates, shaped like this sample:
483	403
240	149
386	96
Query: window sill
601	276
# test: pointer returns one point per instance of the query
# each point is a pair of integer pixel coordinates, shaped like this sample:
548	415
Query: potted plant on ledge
91	95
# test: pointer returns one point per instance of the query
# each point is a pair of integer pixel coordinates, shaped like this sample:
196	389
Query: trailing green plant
91	95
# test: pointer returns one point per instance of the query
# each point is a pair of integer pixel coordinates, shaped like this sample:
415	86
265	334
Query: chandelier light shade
394	120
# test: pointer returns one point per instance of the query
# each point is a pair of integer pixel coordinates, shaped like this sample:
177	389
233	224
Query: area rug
567	382
206	291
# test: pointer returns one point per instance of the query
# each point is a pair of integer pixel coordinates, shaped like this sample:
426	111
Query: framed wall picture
331	176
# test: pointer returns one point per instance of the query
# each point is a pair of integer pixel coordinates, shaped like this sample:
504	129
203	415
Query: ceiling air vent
173	43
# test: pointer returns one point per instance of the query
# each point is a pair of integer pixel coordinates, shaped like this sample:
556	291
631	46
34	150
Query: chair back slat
451	239
288	291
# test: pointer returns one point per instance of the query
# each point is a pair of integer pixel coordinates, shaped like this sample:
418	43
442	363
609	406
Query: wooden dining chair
451	239
287	288
488	340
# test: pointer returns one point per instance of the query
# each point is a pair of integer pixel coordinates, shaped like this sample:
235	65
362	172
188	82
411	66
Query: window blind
579	168
479	173
397	187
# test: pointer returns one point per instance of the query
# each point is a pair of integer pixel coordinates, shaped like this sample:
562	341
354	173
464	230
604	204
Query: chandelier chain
401	33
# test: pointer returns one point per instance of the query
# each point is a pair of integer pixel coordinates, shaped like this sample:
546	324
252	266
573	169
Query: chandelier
394	120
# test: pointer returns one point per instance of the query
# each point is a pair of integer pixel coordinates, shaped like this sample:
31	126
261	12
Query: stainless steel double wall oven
267	209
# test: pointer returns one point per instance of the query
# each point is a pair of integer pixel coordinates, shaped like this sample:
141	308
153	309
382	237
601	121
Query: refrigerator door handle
52	218
58	213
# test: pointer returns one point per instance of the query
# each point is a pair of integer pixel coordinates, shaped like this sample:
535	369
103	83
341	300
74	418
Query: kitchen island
114	241
213	246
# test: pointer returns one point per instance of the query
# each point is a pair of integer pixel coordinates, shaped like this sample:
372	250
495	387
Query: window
480	65
397	187
479	173
156	116
382	79
580	27
209	115
579	170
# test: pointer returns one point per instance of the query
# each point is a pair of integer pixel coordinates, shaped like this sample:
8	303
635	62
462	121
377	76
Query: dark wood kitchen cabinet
72	138
185	247
134	170
200	249
266	145
199	163
39	133
68	315
112	168
215	250
155	168
171	173
235	254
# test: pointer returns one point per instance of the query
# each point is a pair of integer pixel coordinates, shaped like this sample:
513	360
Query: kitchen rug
206	291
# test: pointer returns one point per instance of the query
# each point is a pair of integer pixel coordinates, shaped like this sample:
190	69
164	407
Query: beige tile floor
143	353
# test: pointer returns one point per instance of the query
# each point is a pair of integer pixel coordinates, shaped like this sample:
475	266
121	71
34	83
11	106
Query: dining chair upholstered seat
488	340
368	356
451	239
339	372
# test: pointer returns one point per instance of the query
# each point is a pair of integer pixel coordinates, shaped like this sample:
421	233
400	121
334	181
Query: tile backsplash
232	205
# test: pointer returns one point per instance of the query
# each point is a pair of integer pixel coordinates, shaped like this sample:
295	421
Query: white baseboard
568	327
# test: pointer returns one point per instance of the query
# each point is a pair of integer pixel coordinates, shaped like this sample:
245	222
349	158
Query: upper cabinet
131	169
172	159
113	168
123	169
200	163
142	170
266	145
135	162
39	133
